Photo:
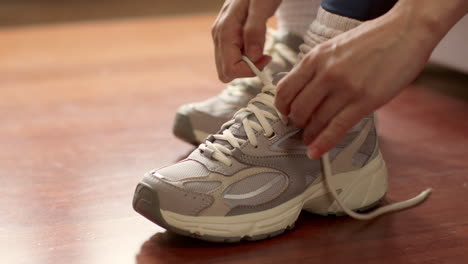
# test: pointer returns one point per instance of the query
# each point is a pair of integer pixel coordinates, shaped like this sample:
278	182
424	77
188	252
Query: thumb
255	27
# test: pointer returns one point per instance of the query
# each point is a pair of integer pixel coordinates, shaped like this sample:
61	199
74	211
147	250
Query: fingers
262	62
255	27
336	129
232	65
306	102
327	110
293	83
254	37
240	29
228	43
228	55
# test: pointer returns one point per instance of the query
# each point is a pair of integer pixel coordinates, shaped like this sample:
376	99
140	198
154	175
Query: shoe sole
360	189
183	130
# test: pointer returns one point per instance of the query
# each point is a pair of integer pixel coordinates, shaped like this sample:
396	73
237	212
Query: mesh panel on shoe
254	190
201	186
182	170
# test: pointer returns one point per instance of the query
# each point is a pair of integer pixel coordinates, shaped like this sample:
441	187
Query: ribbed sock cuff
326	26
329	25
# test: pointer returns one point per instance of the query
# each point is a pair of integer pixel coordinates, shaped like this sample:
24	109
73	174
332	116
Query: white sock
326	26
295	16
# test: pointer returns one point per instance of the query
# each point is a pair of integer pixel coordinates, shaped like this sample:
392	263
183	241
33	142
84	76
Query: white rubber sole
357	189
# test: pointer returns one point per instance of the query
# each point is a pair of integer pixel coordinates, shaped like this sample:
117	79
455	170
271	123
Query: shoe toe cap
174	198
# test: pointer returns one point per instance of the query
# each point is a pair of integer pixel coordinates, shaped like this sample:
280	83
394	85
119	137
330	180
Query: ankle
326	26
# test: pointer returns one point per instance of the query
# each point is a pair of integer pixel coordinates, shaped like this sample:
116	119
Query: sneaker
195	121
253	179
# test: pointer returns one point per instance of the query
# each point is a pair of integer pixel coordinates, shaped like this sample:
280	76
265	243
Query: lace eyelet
271	136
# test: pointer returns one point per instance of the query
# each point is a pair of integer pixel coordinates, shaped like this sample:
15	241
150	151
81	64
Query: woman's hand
239	29
342	80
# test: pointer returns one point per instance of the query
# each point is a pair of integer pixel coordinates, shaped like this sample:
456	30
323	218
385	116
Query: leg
295	16
338	16
358	9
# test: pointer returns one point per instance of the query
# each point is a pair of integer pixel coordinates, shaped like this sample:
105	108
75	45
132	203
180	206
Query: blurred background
452	52
27	12
88	92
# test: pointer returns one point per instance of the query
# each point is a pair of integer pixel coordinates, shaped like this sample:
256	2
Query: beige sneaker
253	178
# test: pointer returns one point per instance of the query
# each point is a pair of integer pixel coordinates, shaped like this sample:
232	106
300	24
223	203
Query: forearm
430	19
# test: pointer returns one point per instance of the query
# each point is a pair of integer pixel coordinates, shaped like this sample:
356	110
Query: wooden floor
86	109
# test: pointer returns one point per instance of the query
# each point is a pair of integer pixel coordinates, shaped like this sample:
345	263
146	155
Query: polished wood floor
86	109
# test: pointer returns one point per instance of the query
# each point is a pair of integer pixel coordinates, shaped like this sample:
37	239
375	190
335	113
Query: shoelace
280	54
266	97
221	152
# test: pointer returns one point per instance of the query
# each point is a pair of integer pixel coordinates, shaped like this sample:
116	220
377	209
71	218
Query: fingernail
313	153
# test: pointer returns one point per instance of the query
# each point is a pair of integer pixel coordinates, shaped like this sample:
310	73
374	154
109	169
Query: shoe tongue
281	62
291	40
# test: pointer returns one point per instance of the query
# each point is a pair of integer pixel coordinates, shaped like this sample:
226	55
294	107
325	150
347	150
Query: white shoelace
280	54
266	97
222	153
